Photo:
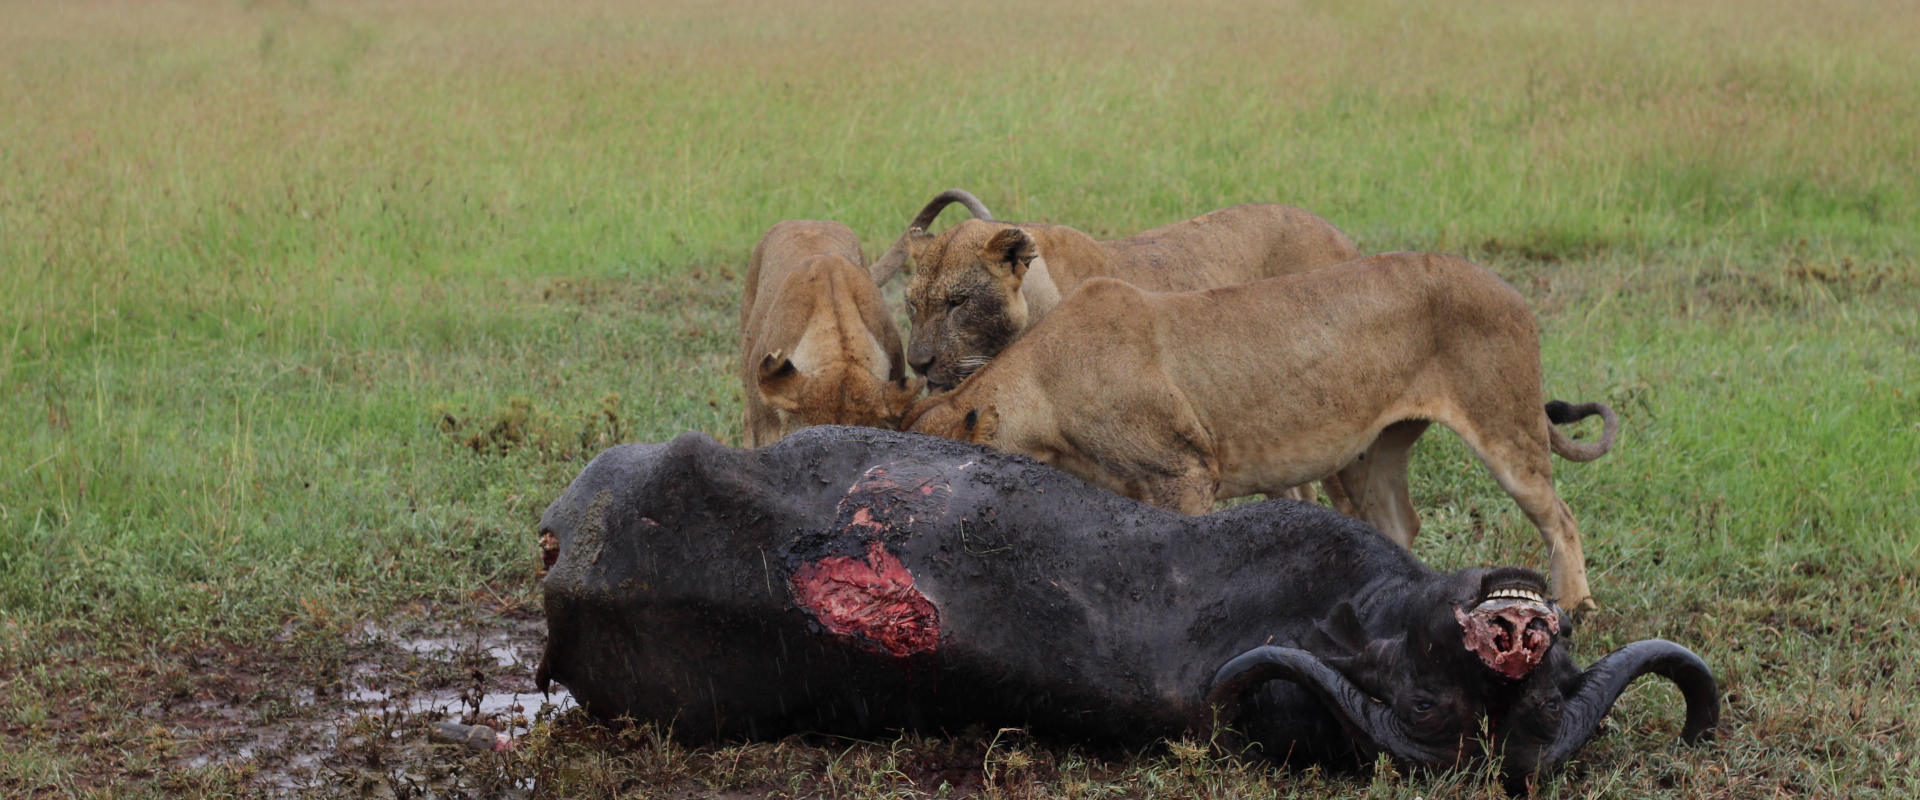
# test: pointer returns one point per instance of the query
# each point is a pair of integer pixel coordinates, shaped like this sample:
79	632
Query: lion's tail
1561	413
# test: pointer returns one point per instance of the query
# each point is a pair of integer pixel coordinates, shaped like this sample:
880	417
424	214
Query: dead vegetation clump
549	436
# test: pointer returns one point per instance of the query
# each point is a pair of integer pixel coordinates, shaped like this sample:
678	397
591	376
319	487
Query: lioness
981	284
817	346
1179	399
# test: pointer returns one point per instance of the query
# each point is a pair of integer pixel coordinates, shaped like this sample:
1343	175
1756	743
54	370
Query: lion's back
1233	245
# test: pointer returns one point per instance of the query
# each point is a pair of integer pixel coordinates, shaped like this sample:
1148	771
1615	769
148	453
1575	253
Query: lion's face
964	304
841	395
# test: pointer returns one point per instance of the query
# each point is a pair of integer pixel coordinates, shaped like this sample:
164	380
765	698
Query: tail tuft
1561	413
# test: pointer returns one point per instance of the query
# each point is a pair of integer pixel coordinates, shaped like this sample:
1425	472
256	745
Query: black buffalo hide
856	581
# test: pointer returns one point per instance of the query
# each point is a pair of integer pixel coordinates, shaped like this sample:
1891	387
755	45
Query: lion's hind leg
1517	454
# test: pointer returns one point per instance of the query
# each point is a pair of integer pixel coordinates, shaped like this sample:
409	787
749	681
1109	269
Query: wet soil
360	720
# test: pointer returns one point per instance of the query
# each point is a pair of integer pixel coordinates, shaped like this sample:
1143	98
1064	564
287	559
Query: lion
817	346
1182	399
981	284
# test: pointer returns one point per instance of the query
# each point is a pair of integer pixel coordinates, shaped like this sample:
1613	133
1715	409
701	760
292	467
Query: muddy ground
358	720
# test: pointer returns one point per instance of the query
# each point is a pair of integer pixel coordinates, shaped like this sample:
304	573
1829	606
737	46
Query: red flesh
1503	635
873	598
549	550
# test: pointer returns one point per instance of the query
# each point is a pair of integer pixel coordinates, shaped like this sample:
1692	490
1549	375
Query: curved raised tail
1561	413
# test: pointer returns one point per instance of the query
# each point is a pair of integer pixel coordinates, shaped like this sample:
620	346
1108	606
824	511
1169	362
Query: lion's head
818	346
964	305
834	394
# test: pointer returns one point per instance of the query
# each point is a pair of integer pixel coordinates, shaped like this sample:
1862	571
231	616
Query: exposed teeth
1516	594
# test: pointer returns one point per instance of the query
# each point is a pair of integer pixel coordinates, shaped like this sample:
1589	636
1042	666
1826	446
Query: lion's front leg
1373	487
1191	491
1161	456
1303	493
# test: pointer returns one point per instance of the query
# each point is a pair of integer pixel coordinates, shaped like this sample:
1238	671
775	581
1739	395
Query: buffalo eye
1423	712
1553	705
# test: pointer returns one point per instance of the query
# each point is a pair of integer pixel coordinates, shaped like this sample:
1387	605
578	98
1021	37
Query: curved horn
1603	682
1561	413
889	263
1368	720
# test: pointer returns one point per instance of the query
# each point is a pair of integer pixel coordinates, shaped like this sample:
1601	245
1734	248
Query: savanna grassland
310	309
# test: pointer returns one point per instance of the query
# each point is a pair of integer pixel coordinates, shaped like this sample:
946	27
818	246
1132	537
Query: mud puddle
500	691
363	725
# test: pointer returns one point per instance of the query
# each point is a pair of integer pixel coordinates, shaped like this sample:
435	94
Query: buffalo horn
890	262
1603	682
1373	724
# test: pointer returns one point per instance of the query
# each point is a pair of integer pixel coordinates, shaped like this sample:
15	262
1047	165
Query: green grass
310	308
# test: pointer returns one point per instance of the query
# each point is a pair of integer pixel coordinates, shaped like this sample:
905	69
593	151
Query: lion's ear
917	241
981	424
1008	253
905	394
779	381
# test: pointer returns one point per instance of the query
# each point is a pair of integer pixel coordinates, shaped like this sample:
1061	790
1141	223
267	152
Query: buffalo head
1480	668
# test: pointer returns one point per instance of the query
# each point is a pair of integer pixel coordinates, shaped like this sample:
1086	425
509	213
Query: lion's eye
955	302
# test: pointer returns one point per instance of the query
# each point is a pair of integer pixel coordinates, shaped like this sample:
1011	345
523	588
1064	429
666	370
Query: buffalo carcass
853	581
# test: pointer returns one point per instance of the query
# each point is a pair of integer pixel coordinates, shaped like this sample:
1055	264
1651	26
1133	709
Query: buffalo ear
1341	633
779	381
1376	666
1009	253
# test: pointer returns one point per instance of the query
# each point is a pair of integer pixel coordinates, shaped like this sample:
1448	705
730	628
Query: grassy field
310	309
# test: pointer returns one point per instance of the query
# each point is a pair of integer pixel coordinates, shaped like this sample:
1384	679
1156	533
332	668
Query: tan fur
1010	276
817	346
1181	399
